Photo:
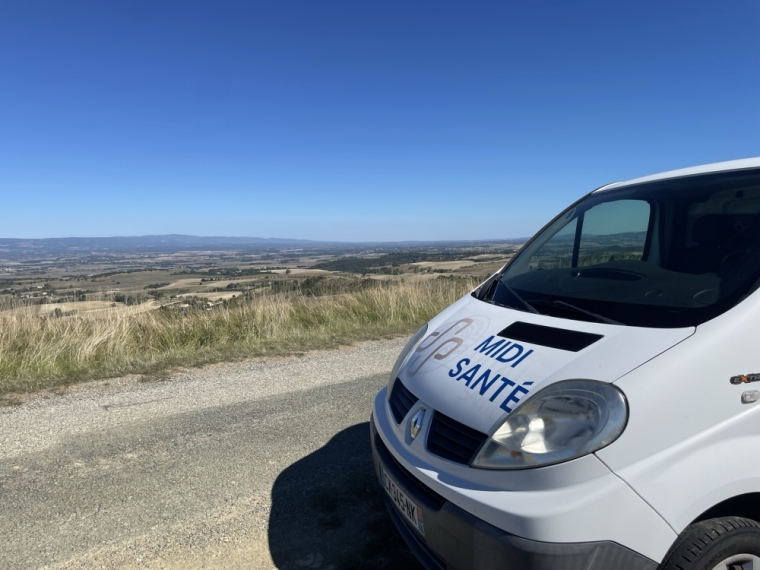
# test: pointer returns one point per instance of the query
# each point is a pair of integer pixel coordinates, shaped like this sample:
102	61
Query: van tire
705	544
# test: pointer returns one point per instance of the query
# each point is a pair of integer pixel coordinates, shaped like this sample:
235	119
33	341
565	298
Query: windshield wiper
490	297
564	305
525	303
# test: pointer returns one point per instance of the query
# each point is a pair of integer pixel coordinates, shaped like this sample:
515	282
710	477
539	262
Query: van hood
478	361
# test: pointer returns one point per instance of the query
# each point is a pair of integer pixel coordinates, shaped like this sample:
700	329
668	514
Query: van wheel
728	543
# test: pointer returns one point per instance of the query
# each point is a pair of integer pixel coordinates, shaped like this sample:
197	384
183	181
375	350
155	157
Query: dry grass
38	353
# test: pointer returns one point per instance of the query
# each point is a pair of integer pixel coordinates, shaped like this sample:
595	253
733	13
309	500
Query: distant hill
15	248
136	244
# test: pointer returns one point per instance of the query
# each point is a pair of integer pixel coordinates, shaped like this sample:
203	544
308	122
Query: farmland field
79	314
73	278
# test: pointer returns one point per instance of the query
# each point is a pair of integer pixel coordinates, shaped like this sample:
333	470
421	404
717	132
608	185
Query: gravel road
260	464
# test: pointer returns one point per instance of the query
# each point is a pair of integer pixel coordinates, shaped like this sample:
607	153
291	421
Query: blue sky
357	120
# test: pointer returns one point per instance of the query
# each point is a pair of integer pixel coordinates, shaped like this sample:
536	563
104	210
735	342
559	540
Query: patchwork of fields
96	315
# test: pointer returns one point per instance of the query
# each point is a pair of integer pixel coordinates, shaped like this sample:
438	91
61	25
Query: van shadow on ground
328	511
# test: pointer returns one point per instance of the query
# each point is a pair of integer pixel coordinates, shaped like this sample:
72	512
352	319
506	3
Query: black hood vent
562	339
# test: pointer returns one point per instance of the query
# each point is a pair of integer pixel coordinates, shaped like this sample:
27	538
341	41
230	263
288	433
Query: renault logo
416	424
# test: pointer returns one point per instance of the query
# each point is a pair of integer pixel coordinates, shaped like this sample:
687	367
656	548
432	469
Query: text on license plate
411	512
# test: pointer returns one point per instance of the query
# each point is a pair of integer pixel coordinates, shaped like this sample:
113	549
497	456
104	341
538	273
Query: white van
592	405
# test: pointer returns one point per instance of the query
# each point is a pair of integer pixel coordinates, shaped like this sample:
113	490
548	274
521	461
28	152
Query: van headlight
564	421
402	358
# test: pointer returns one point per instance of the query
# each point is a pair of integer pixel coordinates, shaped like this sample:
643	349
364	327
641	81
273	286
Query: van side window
611	231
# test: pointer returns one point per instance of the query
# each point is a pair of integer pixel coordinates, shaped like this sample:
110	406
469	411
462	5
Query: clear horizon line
491	240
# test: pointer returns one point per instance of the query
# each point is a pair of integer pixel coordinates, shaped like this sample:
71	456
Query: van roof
703	169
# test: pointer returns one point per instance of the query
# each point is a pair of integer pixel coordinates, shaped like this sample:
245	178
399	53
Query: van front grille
452	440
401	401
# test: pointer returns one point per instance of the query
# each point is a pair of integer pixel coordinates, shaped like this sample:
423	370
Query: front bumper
456	540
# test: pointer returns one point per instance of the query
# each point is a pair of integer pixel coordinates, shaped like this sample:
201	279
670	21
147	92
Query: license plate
406	507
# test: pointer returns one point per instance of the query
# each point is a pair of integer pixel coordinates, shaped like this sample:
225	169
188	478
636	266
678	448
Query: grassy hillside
39	352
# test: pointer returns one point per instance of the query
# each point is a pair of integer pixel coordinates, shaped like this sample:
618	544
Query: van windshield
669	253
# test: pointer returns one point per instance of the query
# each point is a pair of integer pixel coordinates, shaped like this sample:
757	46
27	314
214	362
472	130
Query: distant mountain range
15	247
136	244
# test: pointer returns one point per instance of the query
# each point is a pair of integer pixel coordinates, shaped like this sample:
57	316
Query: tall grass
40	352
